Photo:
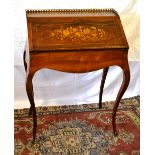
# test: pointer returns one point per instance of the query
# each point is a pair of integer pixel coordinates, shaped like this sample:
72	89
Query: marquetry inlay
82	32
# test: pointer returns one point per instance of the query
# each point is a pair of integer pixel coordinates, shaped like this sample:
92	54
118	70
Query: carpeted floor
80	130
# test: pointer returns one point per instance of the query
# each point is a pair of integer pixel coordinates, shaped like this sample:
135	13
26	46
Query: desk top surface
76	29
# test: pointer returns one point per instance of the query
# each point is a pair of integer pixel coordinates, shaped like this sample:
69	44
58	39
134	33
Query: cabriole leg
125	83
24	60
29	90
104	74
25	66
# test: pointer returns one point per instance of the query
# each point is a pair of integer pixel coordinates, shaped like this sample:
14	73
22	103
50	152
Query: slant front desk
75	41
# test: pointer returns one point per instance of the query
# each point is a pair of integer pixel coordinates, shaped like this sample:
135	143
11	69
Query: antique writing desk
75	41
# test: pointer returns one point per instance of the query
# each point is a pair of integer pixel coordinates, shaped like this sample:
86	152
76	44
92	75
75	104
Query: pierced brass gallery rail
31	11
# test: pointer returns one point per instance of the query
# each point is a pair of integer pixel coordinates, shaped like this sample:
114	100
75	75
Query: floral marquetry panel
78	33
74	35
79	30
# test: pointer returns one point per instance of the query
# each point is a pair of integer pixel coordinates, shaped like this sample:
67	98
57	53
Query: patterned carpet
79	130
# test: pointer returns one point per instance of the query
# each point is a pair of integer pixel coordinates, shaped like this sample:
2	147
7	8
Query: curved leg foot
105	71
125	83
29	90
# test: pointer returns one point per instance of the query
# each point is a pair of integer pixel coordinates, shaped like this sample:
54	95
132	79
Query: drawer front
52	35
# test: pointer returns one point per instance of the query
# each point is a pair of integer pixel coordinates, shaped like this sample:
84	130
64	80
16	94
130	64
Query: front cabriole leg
125	83
29	90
